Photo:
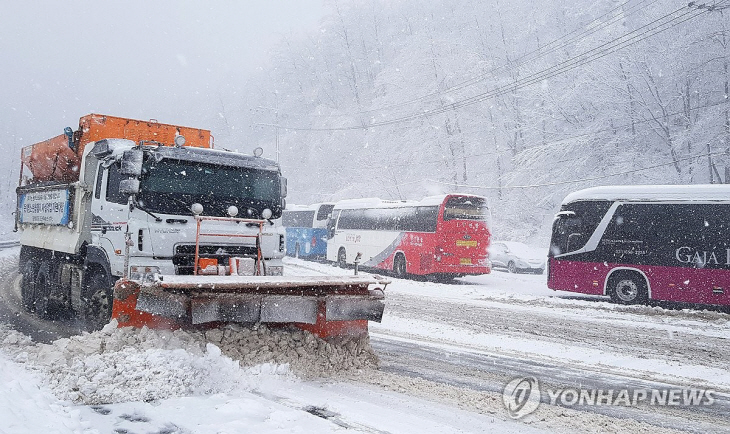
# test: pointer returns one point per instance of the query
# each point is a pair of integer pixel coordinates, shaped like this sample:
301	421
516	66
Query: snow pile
307	355
25	406
129	364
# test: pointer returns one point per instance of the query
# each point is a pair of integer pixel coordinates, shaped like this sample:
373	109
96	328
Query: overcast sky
168	60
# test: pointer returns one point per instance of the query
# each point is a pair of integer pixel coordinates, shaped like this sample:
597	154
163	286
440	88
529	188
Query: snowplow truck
149	224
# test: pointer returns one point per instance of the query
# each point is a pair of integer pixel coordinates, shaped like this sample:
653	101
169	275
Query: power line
549	184
575	181
593	27
575	62
614	128
560	68
538	52
595	132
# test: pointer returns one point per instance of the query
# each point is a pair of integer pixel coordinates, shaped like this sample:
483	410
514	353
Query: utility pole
709	164
274	109
276	117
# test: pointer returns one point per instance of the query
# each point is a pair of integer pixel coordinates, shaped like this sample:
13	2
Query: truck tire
44	305
98	298
27	285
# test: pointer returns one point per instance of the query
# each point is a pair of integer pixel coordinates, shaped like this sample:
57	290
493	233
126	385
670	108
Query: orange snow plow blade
328	306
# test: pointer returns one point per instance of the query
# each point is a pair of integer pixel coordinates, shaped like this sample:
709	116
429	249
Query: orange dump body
52	160
57	160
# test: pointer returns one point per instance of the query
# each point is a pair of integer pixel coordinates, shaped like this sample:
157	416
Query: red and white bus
444	236
641	243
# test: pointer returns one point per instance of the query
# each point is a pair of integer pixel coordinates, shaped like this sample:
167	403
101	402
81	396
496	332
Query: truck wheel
98	299
27	285
44	305
399	266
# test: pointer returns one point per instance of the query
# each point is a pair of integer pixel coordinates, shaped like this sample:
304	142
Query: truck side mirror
132	162
283	187
69	132
129	186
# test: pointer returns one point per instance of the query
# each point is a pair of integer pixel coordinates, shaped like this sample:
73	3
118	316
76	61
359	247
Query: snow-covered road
484	331
446	353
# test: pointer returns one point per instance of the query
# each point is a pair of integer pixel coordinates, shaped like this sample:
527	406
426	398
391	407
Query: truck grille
185	255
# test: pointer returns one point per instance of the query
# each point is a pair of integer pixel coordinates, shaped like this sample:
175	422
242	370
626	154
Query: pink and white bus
444	236
641	243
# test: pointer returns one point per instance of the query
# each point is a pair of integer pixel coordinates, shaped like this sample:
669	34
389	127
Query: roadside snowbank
127	364
26	406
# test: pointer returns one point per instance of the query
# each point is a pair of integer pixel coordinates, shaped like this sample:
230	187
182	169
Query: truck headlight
275	271
143	273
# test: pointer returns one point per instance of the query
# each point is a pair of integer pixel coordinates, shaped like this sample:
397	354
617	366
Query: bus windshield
568	233
466	208
297	219
575	223
170	186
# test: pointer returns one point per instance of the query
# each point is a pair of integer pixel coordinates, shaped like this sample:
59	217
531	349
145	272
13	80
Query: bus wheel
399	266
628	288
342	258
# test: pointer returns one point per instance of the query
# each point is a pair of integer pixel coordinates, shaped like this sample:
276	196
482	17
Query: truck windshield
170	186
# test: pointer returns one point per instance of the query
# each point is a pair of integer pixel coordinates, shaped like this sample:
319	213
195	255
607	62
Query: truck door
109	216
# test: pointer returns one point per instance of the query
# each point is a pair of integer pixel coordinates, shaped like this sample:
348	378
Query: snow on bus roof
312	207
713	192
293	207
374	202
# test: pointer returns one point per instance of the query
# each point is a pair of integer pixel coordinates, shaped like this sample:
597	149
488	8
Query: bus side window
112	185
99	177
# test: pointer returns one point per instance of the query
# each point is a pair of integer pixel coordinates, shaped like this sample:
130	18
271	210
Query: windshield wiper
141	208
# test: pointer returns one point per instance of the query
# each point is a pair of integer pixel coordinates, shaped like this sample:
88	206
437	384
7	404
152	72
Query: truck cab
140	209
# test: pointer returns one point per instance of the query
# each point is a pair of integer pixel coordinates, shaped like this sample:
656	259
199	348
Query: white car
517	257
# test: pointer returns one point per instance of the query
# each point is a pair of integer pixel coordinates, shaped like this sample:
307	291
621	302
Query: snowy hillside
402	99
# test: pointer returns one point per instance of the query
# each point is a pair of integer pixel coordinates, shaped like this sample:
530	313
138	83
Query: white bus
442	236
